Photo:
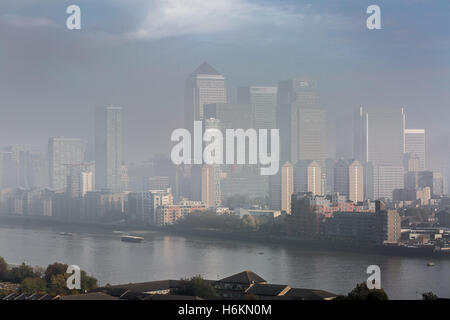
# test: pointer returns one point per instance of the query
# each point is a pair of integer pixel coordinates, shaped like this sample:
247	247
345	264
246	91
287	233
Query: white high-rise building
80	179
108	148
349	179
62	153
281	188
287	186
308	177
204	86
379	145
210	186
415	145
86	182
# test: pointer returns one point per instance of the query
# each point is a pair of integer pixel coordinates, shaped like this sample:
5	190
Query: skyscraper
210	187
344	137
80	179
281	188
263	101
379	136
205	85
379	146
108	148
385	180
275	191
230	115
415	145
349	179
63	152
438	184
22	167
301	121
308	177
287	186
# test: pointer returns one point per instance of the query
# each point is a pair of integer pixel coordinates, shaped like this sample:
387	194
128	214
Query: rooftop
244	277
261	289
205	68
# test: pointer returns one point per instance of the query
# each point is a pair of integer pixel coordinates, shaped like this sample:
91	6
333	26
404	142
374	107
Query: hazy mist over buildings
138	54
285	133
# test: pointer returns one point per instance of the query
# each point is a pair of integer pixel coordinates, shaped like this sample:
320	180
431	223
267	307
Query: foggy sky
137	55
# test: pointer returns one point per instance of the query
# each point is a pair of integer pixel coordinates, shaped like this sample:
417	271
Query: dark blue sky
137	54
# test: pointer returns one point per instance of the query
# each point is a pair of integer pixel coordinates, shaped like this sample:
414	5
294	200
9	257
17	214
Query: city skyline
381	141
155	93
306	141
314	105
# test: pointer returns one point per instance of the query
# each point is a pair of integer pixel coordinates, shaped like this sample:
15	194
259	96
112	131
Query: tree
55	269
3	269
249	222
58	284
87	282
361	292
196	286
18	274
56	278
33	285
429	296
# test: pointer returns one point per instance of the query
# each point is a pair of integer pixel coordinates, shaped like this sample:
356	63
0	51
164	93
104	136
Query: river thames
160	256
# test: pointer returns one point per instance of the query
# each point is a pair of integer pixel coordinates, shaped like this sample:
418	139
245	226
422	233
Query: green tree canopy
87	282
196	286
18	274
55	269
361	292
56	277
429	296
33	285
3	269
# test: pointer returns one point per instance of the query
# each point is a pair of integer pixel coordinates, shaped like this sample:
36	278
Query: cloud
119	20
169	18
26	22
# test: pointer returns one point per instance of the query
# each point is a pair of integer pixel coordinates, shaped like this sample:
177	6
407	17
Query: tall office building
210	187
328	173
308	177
142	205
230	115
415	145
205	85
301	121
420	179
263	101
80	179
108	148
275	191
344	137
156	183
2	170
244	180
21	166
385	180
438	184
287	186
379	146
411	162
349	179
62	153
281	188
379	136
